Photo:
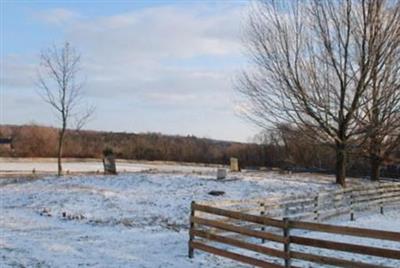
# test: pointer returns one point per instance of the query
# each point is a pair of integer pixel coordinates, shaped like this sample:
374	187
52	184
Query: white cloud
57	16
18	71
170	97
130	53
163	32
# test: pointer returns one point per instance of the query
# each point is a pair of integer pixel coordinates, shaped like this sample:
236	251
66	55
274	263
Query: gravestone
221	174
234	164
109	162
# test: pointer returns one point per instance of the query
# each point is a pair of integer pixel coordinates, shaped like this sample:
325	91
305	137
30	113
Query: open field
18	166
132	219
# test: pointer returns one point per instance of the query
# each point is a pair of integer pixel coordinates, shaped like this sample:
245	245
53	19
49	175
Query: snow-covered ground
49	165
390	221
130	220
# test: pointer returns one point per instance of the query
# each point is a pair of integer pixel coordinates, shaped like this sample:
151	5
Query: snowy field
133	219
12	166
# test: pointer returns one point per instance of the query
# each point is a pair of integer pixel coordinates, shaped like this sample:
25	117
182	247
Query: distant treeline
39	141
286	149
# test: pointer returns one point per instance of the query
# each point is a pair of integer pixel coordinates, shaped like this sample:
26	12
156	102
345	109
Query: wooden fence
319	206
284	247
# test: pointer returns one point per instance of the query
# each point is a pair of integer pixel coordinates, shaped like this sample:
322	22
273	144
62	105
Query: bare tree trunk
375	144
375	163
341	158
375	159
60	150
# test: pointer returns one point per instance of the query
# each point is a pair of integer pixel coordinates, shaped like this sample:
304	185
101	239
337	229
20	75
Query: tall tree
380	117
312	62
59	87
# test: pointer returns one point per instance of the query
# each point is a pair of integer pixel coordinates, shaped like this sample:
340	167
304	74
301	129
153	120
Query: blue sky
149	66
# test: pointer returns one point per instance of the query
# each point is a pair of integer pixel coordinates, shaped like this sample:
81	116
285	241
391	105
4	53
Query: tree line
40	141
282	148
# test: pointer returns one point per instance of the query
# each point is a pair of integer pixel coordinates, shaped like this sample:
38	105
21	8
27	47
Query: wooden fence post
262	213
316	212
286	245
351	205
191	237
286	210
381	199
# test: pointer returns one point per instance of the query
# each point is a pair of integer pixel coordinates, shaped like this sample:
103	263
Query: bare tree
311	66
59	87
380	117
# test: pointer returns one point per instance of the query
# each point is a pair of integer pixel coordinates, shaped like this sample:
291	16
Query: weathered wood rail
319	206
283	248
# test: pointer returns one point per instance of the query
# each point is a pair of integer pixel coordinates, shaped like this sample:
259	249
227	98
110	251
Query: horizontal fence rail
319	206
283	247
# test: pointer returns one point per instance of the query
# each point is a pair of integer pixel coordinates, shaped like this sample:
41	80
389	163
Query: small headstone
221	174
109	162
234	164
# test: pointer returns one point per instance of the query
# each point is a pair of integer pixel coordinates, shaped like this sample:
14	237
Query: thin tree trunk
341	156
60	150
